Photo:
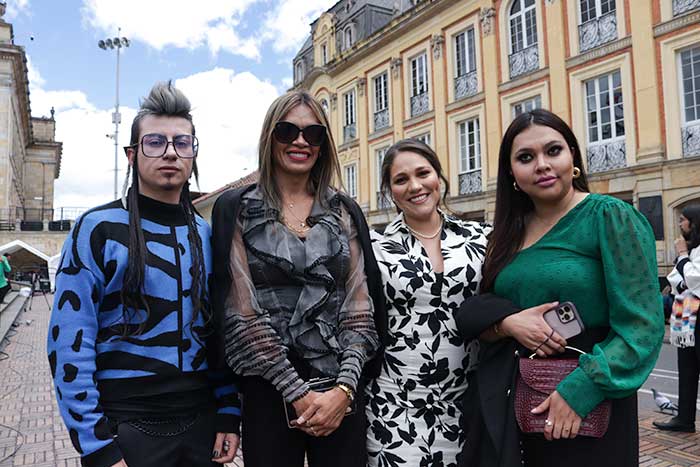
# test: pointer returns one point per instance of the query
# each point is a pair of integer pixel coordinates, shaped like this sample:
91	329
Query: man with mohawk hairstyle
138	375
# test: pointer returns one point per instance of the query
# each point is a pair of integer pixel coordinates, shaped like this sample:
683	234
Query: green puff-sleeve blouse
601	256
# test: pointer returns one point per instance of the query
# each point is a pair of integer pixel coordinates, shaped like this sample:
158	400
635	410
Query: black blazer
224	218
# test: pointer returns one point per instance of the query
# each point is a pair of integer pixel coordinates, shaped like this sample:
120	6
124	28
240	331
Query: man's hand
225	447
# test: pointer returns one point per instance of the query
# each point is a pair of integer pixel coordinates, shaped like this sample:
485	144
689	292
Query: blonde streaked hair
325	171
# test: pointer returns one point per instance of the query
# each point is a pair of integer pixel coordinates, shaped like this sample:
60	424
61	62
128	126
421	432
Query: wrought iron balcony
605	156
382	201
419	104
470	182
465	85
683	6
381	119
349	132
598	31
524	61
691	140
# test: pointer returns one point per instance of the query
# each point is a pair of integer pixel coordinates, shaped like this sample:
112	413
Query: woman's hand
681	246
225	447
325	413
530	329
562	421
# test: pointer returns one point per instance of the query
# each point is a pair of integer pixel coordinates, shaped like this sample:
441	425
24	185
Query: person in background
4	270
129	338
430	263
552	242
685	284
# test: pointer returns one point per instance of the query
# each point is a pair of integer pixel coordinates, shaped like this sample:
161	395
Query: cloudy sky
231	58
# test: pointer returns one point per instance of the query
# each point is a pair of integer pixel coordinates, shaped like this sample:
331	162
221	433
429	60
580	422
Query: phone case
565	320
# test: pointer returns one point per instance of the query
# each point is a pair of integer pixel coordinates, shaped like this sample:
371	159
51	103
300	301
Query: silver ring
548	422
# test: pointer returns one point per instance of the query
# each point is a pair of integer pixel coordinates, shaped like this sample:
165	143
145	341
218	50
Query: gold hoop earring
577	172
515	186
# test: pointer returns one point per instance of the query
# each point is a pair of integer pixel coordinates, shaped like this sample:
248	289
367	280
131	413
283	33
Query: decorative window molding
420	100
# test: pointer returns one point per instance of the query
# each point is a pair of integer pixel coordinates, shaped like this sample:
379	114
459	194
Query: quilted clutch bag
537	379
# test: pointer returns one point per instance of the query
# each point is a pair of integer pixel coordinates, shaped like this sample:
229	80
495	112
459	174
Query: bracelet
347	390
496	330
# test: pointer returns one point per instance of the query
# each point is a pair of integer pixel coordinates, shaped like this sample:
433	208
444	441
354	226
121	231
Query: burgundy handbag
537	379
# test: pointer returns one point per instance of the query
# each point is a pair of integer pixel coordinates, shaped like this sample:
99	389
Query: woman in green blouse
554	242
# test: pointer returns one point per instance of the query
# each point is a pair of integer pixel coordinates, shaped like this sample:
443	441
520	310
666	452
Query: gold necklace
427	237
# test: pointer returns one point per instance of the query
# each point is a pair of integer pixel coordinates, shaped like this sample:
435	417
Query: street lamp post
115	43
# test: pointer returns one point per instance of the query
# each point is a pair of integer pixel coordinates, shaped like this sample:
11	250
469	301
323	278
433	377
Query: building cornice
16	55
677	23
599	52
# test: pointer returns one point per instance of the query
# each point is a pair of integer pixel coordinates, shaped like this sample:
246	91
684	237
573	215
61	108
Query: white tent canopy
17	245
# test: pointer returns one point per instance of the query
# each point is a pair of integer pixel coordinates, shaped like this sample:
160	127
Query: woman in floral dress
430	263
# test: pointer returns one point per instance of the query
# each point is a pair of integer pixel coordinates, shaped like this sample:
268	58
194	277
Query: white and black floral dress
413	408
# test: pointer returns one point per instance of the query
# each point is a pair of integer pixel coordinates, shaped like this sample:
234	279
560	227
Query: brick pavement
27	404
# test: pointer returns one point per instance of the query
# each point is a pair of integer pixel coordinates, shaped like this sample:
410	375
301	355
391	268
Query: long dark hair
163	100
692	213
418	147
513	206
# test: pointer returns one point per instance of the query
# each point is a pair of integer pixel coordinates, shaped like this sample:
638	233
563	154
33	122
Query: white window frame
597	7
350	173
526	105
599	111
349	104
378	160
348	36
418	67
468	151
465	54
695	92
424	138
381	94
520	19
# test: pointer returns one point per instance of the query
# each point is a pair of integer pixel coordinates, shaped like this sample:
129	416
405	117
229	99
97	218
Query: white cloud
15	8
228	110
288	24
177	23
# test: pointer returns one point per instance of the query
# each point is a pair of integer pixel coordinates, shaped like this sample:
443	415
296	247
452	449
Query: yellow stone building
625	74
30	157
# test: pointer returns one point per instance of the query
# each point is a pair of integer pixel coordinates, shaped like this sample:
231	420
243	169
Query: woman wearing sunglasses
295	277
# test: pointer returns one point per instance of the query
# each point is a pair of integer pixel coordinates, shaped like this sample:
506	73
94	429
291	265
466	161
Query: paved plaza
32	433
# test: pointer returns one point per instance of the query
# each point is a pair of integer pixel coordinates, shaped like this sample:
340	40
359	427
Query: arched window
522	26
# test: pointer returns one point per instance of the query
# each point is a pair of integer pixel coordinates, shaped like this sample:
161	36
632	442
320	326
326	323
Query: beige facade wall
49	243
644	50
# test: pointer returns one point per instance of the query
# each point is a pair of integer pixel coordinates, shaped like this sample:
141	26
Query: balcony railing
597	31
470	182
382	201
524	61
691	139
37	219
607	155
419	104
465	85
683	6
381	119
349	132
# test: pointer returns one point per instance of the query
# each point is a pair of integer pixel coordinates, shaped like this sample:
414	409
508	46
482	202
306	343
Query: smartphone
565	320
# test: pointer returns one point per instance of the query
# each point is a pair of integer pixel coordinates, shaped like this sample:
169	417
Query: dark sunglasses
286	132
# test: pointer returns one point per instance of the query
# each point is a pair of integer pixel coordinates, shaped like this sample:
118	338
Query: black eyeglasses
286	132
156	145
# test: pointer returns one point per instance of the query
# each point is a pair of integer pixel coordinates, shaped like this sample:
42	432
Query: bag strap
568	347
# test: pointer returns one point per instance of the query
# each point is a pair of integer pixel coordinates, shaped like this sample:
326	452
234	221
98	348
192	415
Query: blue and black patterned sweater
99	374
